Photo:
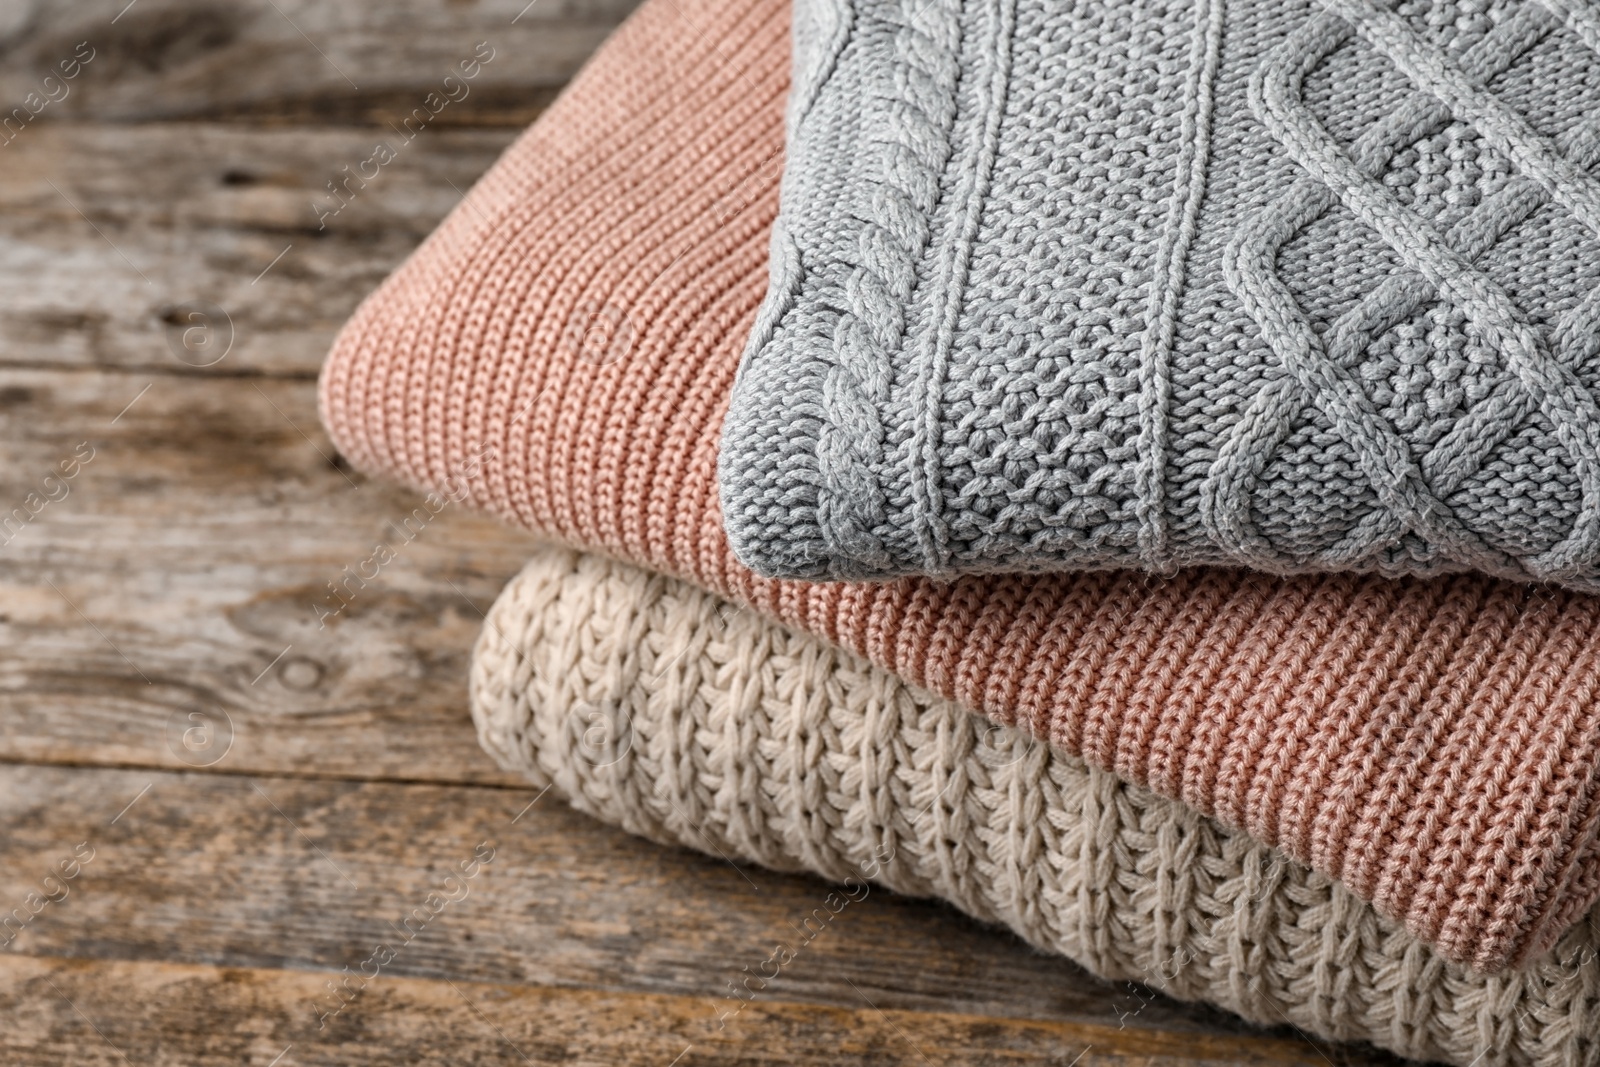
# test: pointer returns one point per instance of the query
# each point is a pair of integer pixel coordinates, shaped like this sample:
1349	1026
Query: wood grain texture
317	875
295	61
109	234
183	573
166	1015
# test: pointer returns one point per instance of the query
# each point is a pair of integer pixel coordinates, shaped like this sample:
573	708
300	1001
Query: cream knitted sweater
665	710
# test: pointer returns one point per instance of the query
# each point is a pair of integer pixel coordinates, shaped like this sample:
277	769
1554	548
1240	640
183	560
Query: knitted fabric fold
561	353
667	711
1298	285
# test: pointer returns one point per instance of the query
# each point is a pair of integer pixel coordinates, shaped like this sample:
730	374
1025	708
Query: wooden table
262	802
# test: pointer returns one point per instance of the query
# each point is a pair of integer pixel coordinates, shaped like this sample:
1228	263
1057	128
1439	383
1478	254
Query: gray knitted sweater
1302	285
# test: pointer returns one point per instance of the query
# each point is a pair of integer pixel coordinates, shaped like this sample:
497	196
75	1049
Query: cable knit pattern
668	711
1360	336
1322	373
571	334
855	387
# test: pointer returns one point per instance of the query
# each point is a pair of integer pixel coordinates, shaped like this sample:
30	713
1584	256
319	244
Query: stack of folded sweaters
1130	468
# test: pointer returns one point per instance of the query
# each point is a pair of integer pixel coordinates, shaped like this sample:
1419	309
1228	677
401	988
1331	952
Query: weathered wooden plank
316	875
295	60
110	236
157	1014
182	575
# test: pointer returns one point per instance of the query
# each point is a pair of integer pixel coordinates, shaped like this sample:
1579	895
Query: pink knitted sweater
561	352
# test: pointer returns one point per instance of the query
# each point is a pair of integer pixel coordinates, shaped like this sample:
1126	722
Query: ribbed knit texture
561	353
1299	285
667	711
